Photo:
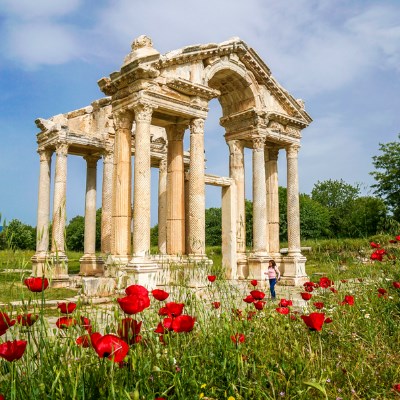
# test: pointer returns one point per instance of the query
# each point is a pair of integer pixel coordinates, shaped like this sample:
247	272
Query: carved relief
292	151
61	148
143	112
258	143
197	126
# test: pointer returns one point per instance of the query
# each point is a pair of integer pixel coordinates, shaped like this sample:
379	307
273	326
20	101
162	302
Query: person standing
274	275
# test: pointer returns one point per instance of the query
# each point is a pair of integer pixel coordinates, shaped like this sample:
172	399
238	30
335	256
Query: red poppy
375	245
250	315
27	319
328	320
5	323
306	296
249	299
111	347
211	278
396	285
257	294
167	323
398	238
183	323
2	397
238	338
133	304
216	304
283	310
36	284
65	322
285	303
392	241
348	300
85	323
83	341
254	282
382	291
172	309
333	290
343	280
314	321
136	290
378	254
309	288
66	308
160	329
319	305
396	387
129	329
237	313
13	350
159	294
325	282
259	305
160	398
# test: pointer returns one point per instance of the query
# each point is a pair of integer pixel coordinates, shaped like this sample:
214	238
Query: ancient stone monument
150	104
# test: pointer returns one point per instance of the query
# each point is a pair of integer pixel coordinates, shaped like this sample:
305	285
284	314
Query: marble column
106	202
293	205
271	170
260	234
236	172
59	201
43	212
162	206
142	182
196	189
122	176
175	191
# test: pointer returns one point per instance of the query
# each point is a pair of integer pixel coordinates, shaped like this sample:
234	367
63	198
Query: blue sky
341	56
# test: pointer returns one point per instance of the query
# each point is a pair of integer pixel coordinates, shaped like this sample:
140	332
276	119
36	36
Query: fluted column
43	211
175	191
260	237
122	175
293	205
236	172
142	182
196	189
271	170
59	200
106	202
90	206
162	206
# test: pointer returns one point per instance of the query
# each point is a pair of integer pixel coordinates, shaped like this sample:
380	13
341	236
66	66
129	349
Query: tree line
334	209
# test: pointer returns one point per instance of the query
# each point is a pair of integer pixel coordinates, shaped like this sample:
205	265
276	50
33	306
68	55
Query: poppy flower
306	296
172	309
237	312
392	241
111	347
83	341
159	294
250	315
319	305
211	278
13	350
129	329
333	290
396	285
309	286
343	280
136	290
133	304
27	319
160	329
325	282
259	305
2	397
382	291
328	320
285	303
249	299
257	294
183	323
5	323
36	284
283	310
66	308
378	254
65	322
216	304
85	323
314	321
348	300
398	238
397	386
238	338
375	245
254	282
167	323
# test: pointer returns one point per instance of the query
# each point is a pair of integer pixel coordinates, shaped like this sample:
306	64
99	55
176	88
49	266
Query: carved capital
91	160
108	154
273	153
123	119
175	132
235	147
143	112
62	149
292	150
197	126
45	154
258	143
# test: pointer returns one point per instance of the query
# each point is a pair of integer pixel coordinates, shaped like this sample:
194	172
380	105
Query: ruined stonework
150	104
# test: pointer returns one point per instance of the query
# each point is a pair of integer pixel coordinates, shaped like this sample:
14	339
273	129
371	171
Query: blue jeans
272	283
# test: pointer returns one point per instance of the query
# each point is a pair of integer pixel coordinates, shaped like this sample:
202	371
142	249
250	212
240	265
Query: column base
90	265
40	264
141	271
258	264
294	270
59	277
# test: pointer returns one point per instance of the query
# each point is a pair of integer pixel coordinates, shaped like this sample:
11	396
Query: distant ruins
151	103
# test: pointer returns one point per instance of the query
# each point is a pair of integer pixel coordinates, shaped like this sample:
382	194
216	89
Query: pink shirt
273	272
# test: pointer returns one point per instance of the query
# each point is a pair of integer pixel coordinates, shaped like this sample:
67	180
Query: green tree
387	176
75	233
154	235
213	223
98	229
20	236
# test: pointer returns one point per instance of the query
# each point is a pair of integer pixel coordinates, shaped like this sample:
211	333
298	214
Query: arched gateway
152	102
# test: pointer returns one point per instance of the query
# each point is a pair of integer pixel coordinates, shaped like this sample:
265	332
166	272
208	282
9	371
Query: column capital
258	143
91	159
45	154
272	153
62	148
123	118
197	126
175	132
235	146
143	112
293	150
